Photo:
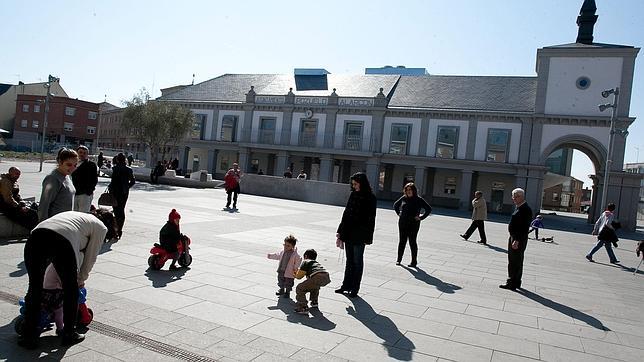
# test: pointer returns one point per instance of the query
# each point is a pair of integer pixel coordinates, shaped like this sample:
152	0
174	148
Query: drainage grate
140	341
147	343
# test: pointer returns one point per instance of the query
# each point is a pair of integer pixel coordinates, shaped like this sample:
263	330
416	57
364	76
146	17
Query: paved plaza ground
224	308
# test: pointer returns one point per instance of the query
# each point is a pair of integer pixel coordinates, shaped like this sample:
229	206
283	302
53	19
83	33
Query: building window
92	115
254	165
450	186
308	132
25	108
34	124
446	142
24	123
353	136
70	111
91	130
36	108
68	127
225	161
229	129
267	130
399	139
555	196
498	142
198	127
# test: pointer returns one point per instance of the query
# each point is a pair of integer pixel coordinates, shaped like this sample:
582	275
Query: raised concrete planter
11	230
320	192
143	174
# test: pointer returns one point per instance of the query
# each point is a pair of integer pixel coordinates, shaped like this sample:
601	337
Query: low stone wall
320	192
11	230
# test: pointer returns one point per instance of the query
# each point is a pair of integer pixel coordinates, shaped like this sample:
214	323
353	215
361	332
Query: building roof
233	87
4	88
589	46
491	93
483	93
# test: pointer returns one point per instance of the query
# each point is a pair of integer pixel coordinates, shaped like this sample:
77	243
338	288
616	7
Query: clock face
308	113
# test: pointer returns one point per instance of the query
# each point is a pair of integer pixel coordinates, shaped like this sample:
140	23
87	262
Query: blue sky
114	48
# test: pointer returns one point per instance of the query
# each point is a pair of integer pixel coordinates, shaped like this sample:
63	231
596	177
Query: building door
497	201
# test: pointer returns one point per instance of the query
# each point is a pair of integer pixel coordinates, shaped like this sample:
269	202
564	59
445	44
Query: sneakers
412	265
397	263
72	338
464	237
173	267
482	242
507	286
590	258
302	310
615	262
279	292
341	291
314	304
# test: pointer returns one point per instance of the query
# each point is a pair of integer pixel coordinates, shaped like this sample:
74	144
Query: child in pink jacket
52	297
289	263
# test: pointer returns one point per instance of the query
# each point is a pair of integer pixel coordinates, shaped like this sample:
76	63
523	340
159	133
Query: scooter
159	256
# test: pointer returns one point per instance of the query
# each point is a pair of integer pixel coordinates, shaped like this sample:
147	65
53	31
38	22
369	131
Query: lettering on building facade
270	99
355	102
312	101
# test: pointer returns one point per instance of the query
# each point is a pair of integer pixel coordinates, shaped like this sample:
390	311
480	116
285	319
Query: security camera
603	107
606	93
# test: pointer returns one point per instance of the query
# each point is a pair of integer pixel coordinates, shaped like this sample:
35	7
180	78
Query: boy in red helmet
170	235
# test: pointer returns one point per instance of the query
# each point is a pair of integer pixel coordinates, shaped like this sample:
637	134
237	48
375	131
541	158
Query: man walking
11	203
84	178
231	181
479	215
518	228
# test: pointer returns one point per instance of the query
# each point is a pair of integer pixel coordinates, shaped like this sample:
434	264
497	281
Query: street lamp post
611	137
44	123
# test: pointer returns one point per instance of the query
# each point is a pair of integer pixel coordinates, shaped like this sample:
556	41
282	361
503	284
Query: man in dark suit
518	228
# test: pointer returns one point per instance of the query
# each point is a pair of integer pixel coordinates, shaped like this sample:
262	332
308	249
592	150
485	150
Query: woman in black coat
122	180
408	209
356	231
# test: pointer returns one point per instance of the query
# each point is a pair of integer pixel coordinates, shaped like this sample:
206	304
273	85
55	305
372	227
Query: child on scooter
170	235
289	263
52	297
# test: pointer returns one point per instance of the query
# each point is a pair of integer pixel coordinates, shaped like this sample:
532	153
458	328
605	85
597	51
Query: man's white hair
518	191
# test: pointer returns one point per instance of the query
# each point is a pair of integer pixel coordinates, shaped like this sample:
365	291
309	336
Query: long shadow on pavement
421	275
384	328
48	347
22	270
564	309
161	278
318	320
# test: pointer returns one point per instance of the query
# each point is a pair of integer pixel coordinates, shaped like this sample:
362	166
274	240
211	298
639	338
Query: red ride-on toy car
160	255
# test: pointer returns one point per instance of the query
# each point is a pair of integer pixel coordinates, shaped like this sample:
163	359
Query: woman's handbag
107	199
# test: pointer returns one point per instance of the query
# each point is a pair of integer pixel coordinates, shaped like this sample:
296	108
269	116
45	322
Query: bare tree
159	125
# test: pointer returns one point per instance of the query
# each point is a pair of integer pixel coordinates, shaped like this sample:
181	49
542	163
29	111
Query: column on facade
420	179
329	131
377	125
373	173
326	168
184	153
212	161
465	190
285	134
243	159
282	163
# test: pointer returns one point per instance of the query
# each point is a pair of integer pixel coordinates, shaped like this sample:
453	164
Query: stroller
84	317
159	256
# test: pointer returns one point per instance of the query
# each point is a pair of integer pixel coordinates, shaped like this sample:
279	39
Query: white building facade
452	135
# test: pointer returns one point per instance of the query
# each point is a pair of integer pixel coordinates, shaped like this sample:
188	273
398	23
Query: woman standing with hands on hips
408	208
356	231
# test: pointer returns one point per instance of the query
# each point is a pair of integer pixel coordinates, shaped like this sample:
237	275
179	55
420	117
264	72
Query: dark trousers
28	219
119	211
477	224
515	263
354	266
154	178
232	192
408	230
42	247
